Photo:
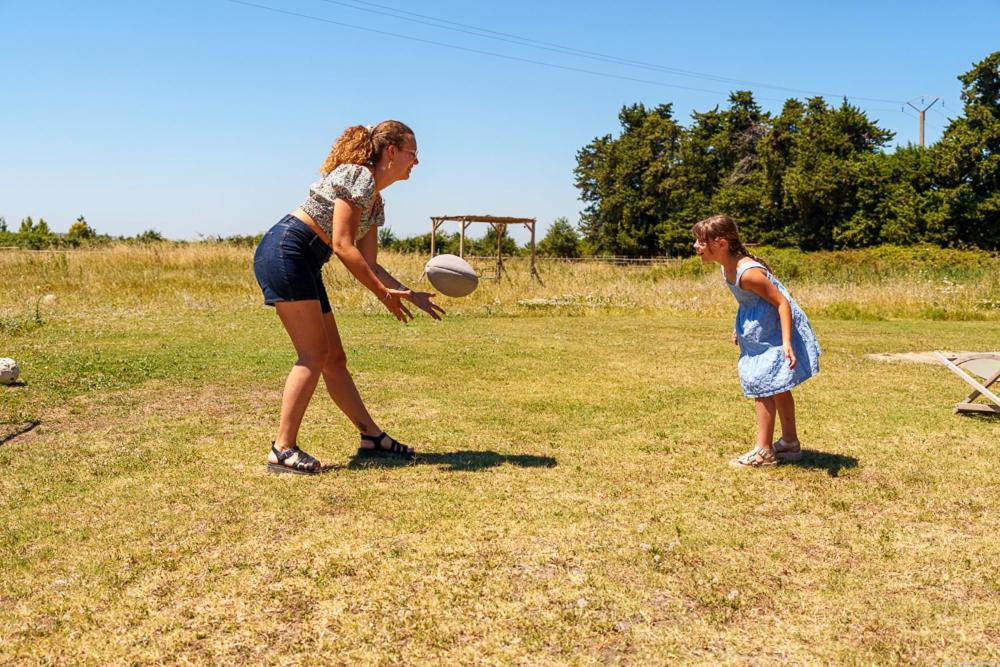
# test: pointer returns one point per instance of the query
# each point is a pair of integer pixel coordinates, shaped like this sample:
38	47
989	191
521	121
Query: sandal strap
756	457
395	446
302	462
282	455
305	461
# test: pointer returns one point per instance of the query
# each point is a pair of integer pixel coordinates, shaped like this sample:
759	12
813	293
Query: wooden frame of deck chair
983	364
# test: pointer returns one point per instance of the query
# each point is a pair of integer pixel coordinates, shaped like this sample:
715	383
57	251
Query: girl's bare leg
786	413
765	421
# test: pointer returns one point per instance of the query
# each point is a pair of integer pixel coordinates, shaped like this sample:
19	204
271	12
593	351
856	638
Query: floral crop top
350	182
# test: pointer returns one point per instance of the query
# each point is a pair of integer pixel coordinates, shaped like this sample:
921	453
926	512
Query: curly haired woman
340	217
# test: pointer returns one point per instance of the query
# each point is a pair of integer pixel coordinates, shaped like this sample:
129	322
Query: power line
941	113
568	50
514	58
479	51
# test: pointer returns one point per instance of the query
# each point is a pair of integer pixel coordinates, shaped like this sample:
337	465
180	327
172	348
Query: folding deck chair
983	364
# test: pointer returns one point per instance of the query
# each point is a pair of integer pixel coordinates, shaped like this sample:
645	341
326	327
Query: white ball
8	371
451	275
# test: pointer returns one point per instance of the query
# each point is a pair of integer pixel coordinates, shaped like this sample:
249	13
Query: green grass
574	505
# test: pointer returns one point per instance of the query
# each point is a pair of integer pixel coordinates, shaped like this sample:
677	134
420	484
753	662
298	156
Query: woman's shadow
460	461
831	463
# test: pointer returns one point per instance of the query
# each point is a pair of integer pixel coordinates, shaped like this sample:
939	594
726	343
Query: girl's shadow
831	463
465	460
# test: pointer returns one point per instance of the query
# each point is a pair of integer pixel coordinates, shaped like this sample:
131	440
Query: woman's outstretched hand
422	300
393	301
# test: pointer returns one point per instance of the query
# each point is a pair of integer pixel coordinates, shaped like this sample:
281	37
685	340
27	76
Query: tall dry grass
829	285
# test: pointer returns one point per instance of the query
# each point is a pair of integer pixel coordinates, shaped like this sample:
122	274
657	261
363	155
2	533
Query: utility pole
922	112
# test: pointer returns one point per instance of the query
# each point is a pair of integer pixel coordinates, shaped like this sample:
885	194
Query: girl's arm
346	219
368	246
756	281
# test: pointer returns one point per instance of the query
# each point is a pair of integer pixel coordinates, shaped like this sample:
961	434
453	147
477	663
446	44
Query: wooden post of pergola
498	223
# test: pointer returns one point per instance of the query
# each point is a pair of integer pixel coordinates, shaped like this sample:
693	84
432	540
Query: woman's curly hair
359	145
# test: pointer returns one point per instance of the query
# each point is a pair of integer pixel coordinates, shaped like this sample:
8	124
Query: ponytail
739	249
354	146
364	145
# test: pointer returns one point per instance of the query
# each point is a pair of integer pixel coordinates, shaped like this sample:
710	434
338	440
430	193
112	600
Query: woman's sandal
755	458
293	460
395	448
787	451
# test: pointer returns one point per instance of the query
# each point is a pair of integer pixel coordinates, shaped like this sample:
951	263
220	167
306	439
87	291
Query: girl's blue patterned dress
762	366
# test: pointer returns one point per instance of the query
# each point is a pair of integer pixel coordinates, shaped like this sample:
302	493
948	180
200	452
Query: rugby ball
451	275
8	371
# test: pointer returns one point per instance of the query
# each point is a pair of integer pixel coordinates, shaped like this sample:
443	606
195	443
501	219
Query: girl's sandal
757	457
787	451
395	449
293	460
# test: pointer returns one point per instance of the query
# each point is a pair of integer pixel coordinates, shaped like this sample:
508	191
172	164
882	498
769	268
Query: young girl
778	349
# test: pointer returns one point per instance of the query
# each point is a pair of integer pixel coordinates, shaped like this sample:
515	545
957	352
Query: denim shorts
289	264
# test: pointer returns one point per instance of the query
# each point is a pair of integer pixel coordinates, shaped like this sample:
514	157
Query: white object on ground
8	371
451	275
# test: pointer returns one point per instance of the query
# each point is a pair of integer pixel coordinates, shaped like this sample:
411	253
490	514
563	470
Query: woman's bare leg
344	392
303	321
340	384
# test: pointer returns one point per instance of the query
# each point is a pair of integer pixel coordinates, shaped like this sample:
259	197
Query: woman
340	217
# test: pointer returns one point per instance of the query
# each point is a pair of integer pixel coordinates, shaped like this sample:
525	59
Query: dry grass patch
573	506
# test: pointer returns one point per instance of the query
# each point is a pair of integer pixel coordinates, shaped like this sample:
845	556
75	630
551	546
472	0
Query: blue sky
211	117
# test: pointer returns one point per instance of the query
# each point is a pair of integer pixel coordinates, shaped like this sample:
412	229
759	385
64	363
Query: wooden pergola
499	224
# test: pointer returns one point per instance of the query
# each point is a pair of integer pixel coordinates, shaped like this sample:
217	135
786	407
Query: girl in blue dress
778	349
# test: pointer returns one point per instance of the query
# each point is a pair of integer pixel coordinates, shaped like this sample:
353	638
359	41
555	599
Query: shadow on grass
982	416
465	460
831	463
19	431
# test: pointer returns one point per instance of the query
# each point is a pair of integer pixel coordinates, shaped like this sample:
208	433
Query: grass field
573	504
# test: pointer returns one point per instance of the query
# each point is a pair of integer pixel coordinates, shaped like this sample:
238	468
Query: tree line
32	235
814	177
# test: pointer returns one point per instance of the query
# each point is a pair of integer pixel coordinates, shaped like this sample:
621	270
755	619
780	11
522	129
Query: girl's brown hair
719	227
359	145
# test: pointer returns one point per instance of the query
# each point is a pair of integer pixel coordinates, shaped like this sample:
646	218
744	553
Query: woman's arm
422	300
368	245
756	281
346	219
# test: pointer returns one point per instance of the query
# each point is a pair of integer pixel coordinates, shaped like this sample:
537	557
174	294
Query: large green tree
816	176
810	156
721	169
966	195
627	182
891	199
